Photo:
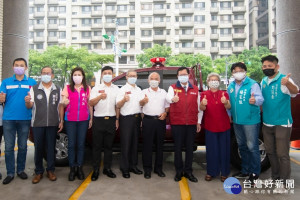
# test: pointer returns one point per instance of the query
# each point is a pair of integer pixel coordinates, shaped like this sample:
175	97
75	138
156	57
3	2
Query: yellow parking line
295	161
185	189
81	188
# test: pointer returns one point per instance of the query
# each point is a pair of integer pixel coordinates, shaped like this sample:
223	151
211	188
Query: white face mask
239	75
107	78
77	79
214	84
46	78
153	83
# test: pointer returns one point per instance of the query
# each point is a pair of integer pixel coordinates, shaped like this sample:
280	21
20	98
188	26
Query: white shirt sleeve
200	112
285	90
32	95
170	95
94	93
120	95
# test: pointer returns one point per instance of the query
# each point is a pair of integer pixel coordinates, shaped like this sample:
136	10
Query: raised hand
285	79
204	101
145	100
103	96
2	97
223	99
126	97
28	98
252	99
175	99
66	101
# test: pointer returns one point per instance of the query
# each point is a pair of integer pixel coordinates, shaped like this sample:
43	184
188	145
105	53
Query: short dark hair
238	64
183	68
20	59
270	58
107	68
52	71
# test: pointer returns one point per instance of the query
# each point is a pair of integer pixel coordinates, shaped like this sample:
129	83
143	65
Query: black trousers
129	135
184	136
153	133
104	131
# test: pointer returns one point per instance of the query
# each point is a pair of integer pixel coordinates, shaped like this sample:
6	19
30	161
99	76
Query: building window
214	44
214	18
225	19
108	45
40	8
97	46
132	45
159	32
31	10
238	17
122	21
62	9
40	21
132	19
168	6
62	22
186	18
146	45
39	33
110	7
187	31
52	21
158	6
158	19
214	31
238	30
199	5
86	9
168	19
168	31
31	35
199	31
199	19
239	44
132	6
225	5
123	45
146	33
52	34
110	20
238	3
86	22
97	33
214	4
52	9
62	35
97	8
88	46
123	34
110	32
146	19
122	8
86	34
131	58
31	22
97	20
123	60
176	18
186	45
146	6
225	31
39	46
186	5
74	38
226	45
199	45
132	32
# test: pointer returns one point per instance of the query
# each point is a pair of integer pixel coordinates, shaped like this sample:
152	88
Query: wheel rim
61	146
262	150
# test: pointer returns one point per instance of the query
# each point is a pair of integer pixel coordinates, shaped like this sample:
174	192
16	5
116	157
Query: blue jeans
10	129
44	139
76	132
247	139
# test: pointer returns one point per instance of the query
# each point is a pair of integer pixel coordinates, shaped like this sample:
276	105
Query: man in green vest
277	90
245	99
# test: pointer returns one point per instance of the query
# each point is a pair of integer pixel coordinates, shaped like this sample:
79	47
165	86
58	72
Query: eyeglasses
44	73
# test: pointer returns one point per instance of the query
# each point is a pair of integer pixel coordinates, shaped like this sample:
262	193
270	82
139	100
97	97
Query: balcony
159	37
239	36
214	10
239	9
53	39
214	23
52	26
240	22
96	38
52	14
96	26
159	0
39	14
96	1
214	49
110	12
39	26
214	36
131	12
186	11
110	25
237	49
132	37
131	25
159	24
97	13
186	24
39	39
110	1
53	2
186	37
39	2
186	50
159	11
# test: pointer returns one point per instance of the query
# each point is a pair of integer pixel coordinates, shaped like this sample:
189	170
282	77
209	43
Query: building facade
212	27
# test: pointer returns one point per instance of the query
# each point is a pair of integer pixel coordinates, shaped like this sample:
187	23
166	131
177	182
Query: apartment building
212	27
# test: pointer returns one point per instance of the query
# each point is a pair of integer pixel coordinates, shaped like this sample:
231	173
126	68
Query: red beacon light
158	62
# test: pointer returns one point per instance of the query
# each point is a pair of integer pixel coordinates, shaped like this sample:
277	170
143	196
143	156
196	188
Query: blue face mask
183	78
132	80
107	78
46	78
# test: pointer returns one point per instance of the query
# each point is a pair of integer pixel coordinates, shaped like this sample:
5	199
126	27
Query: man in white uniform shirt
130	121
106	121
155	109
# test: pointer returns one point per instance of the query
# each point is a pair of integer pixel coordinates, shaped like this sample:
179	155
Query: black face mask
269	72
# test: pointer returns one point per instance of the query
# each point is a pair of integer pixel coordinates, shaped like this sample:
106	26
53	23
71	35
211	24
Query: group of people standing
106	107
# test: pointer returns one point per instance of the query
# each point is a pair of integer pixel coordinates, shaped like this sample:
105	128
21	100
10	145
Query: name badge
101	91
129	92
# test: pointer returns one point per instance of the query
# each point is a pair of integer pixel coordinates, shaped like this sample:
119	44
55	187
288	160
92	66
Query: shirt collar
25	78
41	86
178	84
128	85
151	90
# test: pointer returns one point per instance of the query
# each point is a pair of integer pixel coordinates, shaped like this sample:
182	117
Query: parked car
169	76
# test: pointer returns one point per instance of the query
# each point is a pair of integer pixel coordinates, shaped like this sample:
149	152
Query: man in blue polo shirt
16	118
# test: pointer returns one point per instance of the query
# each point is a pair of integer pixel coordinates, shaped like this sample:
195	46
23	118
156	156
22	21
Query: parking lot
137	187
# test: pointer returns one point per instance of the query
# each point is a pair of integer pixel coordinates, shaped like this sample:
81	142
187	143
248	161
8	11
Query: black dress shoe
191	177
72	174
109	173
80	173
136	171
178	176
147	175
160	173
125	174
7	180
22	175
95	175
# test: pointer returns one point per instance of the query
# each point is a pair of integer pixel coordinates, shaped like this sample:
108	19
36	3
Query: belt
107	117
151	117
133	115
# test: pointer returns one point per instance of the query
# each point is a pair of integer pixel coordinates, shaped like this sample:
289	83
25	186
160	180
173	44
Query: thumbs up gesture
2	97
285	79
175	99
103	96
204	101
27	98
126	97
145	100
65	101
223	99
252	99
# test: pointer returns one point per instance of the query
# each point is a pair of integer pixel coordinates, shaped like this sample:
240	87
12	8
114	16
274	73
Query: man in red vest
185	119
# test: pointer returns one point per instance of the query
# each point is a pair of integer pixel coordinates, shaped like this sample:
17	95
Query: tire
236	157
